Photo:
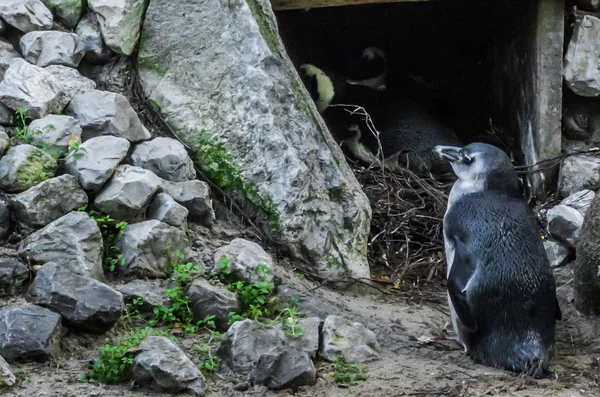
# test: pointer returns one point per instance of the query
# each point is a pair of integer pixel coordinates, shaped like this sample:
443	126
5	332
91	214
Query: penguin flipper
463	269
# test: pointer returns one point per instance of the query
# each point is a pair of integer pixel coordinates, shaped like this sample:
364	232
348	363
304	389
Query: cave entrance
482	62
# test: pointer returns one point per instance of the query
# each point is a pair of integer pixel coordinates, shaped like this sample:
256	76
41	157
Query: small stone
29	333
557	254
580	200
165	209
120	21
69	80
67	11
24	166
580	71
12	275
26	15
146	246
90	33
49	200
162	365
96	160
166	157
245	256
244	343
4	141
308	341
43	48
54	133
284	368
31	88
351	341
127	193
7	378
84	303
150	292
73	241
4	219
195	196
578	173
213	299
564	224
106	113
7	54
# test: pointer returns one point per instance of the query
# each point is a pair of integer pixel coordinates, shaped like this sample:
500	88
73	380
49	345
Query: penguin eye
466	158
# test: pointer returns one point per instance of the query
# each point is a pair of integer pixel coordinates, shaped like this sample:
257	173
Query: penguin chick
370	70
501	290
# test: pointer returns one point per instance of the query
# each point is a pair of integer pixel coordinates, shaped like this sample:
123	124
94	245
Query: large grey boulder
66	11
54	132
215	299
120	22
12	275
244	257
31	88
7	378
83	302
148	248
557	253
150	292
4	219
580	200
49	200
127	193
96	160
69	80
577	173
106	113
246	341
29	333
52	48
195	196
351	341
167	210
162	365
7	54
73	240
262	139
581	60
564	224
26	15
90	33
166	157
24	166
284	368
308	340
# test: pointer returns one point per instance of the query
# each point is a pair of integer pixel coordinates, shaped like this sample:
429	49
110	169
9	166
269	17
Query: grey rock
106	113
48	201
244	343
69	80
73	241
213	299
151	292
245	256
127	193
165	209
305	304
195	196
145	248
29	333
43	48
24	166
166	157
120	22
284	368
580	200
4	141
279	146
90	33
564	224
96	161
309	340
83	302
32	88
162	365
5	115
578	173
4	220
26	15
580	67
557	253
55	132
66	11
7	54
12	275
7	378
351	341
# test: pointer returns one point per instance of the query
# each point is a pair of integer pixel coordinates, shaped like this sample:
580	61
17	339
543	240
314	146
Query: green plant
111	230
20	127
131	309
289	320
75	147
210	363
345	373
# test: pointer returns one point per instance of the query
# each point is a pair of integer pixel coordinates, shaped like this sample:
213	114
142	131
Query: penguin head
481	166
370	70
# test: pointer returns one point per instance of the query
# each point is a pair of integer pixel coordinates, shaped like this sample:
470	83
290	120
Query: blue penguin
501	290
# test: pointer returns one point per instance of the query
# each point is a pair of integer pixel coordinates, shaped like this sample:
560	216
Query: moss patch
39	167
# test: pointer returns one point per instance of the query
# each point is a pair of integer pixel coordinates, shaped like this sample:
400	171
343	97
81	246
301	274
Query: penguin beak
449	153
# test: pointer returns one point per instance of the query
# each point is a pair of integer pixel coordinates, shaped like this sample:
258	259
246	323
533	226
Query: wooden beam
280	5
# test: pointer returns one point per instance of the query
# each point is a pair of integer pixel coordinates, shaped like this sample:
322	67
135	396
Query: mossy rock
25	166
